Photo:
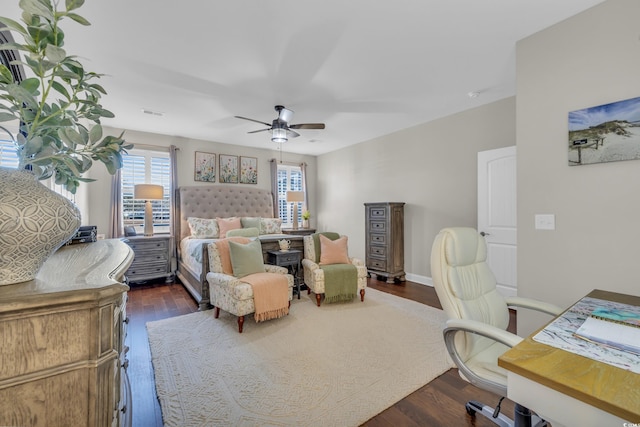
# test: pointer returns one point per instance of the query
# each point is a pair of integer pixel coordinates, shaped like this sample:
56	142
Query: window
146	167
8	155
289	179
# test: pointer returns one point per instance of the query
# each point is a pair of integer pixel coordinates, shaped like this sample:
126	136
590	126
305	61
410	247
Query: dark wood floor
439	403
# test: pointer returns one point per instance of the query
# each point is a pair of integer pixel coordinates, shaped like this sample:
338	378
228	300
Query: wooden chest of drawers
152	258
384	232
63	358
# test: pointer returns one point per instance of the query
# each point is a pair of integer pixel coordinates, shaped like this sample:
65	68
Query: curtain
173	195
115	222
274	187
303	168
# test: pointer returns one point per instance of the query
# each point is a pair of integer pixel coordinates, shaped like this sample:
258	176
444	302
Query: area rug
334	365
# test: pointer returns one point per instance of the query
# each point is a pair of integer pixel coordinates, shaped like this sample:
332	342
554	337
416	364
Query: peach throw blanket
270	295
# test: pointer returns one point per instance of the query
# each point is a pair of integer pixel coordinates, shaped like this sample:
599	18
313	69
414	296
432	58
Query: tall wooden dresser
62	354
384	224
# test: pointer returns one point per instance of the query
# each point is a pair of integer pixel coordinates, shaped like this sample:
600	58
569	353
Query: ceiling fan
280	128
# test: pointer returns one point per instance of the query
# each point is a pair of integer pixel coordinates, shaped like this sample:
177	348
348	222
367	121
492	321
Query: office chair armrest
453	326
480	328
532	304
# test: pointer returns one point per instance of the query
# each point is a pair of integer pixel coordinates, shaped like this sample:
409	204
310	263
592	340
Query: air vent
152	113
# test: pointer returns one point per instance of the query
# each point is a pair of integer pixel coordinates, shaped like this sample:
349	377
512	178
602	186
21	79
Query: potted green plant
57	110
305	218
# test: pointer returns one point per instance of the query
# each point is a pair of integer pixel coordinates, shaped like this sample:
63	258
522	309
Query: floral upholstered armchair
314	275
235	294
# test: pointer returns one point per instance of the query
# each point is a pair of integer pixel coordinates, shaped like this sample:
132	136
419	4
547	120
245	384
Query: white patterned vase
34	222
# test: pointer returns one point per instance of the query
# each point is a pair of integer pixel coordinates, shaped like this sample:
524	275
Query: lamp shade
148	192
295	196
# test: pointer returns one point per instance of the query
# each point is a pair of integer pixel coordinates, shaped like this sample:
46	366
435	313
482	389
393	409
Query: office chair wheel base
472	407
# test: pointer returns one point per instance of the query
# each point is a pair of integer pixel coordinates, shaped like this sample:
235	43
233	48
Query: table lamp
295	197
148	192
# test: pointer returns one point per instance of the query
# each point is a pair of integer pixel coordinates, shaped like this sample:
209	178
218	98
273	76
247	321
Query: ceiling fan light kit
279	135
280	128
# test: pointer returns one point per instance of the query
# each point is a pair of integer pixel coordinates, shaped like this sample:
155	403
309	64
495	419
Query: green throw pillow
250	222
246	259
244	232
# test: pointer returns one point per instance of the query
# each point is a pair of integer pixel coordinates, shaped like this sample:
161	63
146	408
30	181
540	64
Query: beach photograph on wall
605	133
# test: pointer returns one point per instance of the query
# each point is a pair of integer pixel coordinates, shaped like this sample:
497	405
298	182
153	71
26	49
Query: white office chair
467	291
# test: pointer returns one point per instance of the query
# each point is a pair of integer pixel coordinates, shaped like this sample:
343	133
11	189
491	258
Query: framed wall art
205	167
605	133
228	169
248	170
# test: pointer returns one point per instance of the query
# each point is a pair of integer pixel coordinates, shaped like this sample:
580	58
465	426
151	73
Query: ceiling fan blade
307	126
261	130
292	134
252	120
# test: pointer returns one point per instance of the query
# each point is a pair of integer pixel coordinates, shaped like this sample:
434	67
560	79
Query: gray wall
431	167
590	59
98	192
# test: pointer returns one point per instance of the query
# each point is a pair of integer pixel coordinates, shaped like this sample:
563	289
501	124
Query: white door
497	214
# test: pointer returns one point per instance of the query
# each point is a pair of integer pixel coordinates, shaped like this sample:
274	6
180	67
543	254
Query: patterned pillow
270	226
203	228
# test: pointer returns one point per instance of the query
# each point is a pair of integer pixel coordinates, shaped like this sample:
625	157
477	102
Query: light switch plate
545	222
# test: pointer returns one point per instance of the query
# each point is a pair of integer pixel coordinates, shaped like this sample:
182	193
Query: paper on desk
616	335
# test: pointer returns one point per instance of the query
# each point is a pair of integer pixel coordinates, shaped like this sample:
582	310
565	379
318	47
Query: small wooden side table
290	259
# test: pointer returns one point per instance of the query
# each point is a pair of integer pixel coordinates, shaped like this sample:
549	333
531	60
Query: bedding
199	206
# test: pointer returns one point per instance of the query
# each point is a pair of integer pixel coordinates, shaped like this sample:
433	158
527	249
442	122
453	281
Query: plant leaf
7	117
31	85
55	54
95	133
34	7
5	74
79	19
73	4
13	25
61	89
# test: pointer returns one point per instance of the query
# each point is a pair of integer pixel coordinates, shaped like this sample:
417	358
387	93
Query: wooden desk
568	389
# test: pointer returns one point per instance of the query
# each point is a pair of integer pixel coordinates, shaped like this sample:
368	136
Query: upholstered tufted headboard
222	202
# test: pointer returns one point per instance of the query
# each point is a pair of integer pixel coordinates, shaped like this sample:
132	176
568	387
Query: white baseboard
423	280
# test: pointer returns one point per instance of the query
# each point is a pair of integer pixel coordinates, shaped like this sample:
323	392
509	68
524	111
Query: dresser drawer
153	245
376	238
380	251
378	226
376	264
147	270
377	213
150	256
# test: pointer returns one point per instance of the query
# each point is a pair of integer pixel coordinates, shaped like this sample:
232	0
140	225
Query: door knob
482	233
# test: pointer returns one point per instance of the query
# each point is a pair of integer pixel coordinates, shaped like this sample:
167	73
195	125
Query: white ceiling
365	68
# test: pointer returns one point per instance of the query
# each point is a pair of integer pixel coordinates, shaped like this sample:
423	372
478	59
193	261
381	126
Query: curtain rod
150	147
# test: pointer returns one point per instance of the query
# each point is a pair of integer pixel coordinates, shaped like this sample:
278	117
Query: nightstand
290	259
299	231
152	258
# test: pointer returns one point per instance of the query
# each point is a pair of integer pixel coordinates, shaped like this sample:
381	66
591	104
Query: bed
218	202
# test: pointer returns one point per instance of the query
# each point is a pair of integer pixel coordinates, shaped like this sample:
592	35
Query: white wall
587	60
431	167
99	191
